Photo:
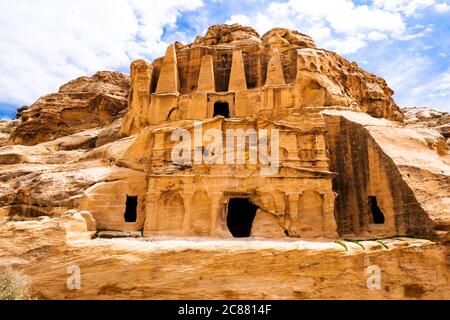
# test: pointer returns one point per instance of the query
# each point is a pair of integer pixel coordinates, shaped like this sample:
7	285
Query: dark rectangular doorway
131	209
221	109
375	211
241	213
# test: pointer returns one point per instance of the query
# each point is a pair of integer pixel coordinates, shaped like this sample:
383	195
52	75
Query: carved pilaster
294	230
187	203
329	224
151	217
216	205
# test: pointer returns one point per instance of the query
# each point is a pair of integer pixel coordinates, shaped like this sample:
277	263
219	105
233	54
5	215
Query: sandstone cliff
49	178
311	78
212	269
406	169
350	169
84	103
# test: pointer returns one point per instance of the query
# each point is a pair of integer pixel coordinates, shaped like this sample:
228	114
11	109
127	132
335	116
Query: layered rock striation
283	65
348	168
83	103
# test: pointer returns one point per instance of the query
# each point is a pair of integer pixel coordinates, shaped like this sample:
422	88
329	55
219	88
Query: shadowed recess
222	109
375	211
241	213
131	209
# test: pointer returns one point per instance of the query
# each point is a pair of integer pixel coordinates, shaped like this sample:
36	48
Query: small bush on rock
13	286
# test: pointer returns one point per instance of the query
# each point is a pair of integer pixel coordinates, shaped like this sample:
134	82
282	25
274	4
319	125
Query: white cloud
406	7
346	17
405	72
415	82
436	92
377	36
48	42
346	45
239	18
442	7
339	25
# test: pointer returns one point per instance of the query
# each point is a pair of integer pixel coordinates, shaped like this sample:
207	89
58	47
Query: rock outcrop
84	103
79	169
52	177
309	77
52	251
426	117
223	34
407	171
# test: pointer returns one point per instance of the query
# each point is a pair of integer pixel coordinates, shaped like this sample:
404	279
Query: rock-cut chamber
240	216
131	209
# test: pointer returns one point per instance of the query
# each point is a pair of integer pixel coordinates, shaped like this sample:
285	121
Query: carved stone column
187	203
294	214
151	218
329	224
216	205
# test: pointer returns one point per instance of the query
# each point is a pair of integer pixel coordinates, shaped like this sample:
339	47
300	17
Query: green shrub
8	129
13	286
342	244
355	242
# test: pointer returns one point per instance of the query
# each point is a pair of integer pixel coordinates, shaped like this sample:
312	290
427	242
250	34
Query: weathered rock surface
429	118
84	103
218	269
50	178
242	62
223	34
349	168
406	169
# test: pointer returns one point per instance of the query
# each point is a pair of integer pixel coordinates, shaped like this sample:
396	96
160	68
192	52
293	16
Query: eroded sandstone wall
281	78
282	70
81	104
234	269
73	172
408	176
191	199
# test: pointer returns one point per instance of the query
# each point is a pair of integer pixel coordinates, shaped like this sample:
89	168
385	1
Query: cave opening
375	211
131	209
241	213
221	109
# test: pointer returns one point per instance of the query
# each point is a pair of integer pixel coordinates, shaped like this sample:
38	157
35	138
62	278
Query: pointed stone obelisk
275	75
206	81
237	76
168	81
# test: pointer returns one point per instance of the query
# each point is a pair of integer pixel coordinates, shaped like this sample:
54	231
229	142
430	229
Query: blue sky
45	43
